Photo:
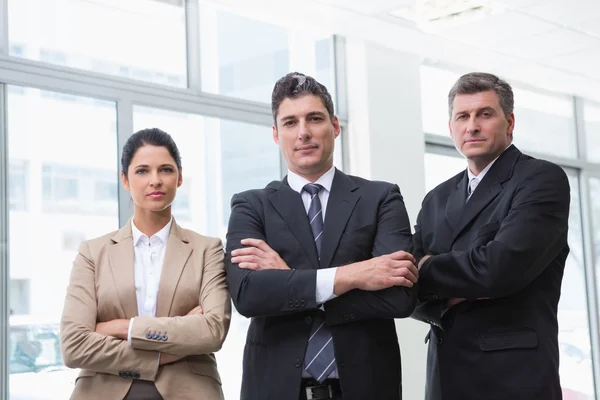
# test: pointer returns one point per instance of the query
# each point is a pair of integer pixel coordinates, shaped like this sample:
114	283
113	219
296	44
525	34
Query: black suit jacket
363	219
508	243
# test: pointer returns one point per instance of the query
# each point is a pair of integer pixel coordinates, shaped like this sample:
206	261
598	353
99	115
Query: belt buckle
310	395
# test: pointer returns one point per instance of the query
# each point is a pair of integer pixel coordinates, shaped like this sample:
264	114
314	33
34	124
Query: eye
316	118
460	116
140	171
289	123
486	114
168	170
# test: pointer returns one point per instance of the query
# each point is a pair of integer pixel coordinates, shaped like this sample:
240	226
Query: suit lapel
488	188
456	202
341	203
120	258
177	254
288	203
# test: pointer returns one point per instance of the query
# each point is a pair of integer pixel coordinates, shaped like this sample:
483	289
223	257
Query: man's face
479	128
306	135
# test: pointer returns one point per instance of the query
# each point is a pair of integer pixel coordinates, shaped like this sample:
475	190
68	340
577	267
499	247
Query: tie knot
472	185
312	188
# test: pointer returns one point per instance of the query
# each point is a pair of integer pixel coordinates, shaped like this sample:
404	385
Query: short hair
296	84
477	82
152	137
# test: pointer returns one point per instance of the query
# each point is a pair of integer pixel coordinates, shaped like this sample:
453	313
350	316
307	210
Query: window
63	146
435	85
544	123
137	39
591	115
17	185
574	338
220	158
243	57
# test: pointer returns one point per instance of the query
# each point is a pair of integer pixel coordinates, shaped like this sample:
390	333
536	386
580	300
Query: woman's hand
118	328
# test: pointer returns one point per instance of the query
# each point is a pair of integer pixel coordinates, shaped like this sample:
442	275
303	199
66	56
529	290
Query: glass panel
574	339
137	39
220	158
576	372
243	57
591	115
435	85
440	168
544	123
53	207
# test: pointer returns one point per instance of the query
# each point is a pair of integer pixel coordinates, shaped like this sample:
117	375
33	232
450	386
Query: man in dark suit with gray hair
491	245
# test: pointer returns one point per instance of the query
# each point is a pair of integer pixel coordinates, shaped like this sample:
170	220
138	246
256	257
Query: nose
472	126
303	131
155	180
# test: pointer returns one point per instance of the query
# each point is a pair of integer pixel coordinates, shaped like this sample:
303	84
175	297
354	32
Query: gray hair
477	82
296	84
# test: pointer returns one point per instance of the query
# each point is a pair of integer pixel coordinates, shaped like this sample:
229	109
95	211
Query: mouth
474	141
307	147
156	195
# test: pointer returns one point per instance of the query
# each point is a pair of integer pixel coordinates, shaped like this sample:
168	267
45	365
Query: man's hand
396	269
423	261
258	256
118	328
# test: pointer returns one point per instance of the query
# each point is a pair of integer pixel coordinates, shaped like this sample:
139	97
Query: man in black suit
321	263
492	244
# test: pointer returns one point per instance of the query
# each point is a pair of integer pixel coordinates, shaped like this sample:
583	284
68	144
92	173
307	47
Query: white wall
386	142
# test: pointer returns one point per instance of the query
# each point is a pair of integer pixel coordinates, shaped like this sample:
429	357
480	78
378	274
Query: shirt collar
485	170
297	182
163	234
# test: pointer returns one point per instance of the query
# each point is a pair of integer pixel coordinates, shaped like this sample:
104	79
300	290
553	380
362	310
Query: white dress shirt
325	277
148	259
475	180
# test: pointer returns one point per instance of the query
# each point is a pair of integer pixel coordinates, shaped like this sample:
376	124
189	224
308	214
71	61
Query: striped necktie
319	359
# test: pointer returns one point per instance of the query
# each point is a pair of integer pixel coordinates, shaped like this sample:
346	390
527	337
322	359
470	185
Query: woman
147	305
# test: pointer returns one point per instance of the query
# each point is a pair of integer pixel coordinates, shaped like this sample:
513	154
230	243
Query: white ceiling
551	44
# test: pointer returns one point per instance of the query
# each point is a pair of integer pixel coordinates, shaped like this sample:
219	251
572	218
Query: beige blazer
102	289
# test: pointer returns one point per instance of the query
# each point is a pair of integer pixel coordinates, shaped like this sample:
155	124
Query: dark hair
153	137
296	84
477	82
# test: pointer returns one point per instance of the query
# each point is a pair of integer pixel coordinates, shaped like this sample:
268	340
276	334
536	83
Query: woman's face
152	178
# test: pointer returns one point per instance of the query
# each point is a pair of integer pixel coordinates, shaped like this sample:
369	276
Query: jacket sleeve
193	334
267	292
81	346
393	234
531	236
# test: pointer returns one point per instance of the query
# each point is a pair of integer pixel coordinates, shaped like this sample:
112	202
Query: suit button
121	374
296	303
155	336
352	316
435	297
291	303
302	303
308	320
298	363
136	375
164	337
148	335
439	340
346	317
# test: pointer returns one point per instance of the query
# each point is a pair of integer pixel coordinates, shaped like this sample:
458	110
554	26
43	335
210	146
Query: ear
275	134
450	130
180	178
125	181
511	124
336	126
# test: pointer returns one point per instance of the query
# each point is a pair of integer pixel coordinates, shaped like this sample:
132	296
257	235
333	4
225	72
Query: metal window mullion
124	131
192	29
4	42
4	246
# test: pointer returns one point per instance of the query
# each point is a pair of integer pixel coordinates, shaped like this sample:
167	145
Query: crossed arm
261	283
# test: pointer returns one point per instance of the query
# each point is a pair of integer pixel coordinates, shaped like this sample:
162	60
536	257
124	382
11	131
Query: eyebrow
310	114
160	166
488	108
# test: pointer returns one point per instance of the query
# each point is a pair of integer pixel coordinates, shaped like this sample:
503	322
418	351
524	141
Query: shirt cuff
325	284
129	331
